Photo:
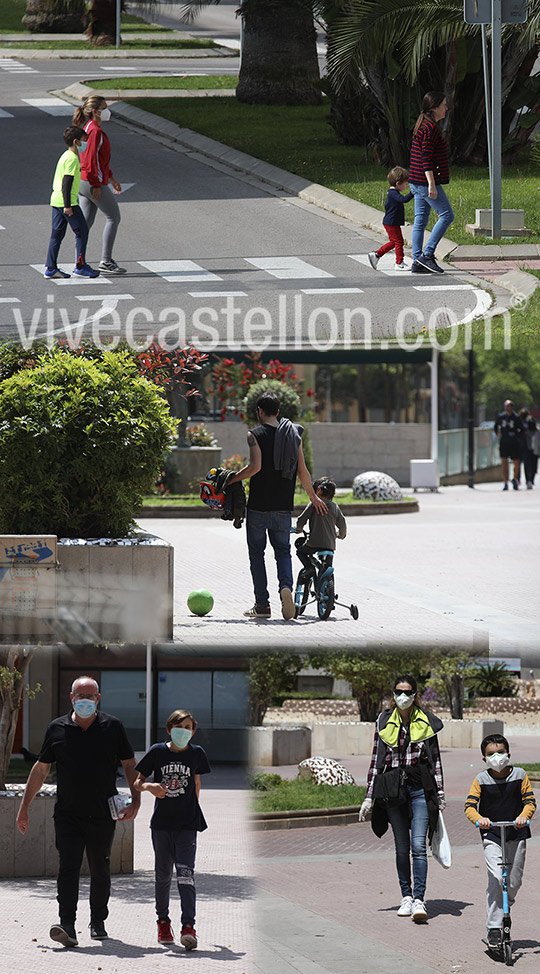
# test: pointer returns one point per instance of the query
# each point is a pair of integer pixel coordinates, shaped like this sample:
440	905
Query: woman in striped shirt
427	173
406	738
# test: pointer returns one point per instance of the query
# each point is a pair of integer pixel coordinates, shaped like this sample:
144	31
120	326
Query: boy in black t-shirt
176	766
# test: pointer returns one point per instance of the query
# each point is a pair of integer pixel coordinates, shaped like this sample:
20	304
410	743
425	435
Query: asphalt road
213	257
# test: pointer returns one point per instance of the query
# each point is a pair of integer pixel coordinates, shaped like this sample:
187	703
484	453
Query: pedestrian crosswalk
52	106
271	272
16	67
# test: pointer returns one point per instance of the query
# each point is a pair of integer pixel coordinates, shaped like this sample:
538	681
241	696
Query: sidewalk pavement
223	879
432	579
328	896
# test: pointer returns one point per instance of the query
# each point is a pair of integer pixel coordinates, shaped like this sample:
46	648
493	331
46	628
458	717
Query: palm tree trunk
279	55
55	16
101	22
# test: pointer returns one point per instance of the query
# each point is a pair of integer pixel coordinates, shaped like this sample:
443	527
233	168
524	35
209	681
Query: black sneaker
64	933
494	939
258	612
428	261
418	268
97	930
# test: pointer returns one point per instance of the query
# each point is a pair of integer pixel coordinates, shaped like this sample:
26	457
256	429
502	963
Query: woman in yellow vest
405	788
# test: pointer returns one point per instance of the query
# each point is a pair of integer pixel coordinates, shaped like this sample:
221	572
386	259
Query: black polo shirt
86	763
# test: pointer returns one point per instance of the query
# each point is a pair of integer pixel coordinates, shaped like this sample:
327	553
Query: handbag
440	844
390	787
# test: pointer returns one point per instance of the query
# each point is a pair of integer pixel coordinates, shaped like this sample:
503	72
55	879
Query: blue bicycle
503	951
316	579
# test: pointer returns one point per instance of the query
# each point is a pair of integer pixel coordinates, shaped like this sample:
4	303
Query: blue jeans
277	524
60	222
175	848
422	206
410	837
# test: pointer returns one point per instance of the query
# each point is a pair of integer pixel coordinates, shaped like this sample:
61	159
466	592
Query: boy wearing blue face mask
176	767
501	793
66	209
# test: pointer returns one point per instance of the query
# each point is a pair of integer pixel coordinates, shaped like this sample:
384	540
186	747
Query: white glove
365	810
442	800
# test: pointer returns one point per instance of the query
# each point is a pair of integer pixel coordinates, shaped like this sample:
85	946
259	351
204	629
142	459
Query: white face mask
105	114
498	761
403	700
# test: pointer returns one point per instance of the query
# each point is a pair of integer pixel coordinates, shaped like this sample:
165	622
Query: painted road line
4	114
443	287
10	300
110	68
483	304
331	290
68	268
178	271
104	297
52	106
287	267
217	294
385	266
125	187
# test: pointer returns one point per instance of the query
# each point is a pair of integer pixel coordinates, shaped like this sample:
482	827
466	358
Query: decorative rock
376	486
325	771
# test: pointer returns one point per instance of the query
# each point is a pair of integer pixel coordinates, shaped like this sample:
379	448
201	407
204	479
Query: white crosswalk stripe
16	67
52	106
178	271
4	114
287	267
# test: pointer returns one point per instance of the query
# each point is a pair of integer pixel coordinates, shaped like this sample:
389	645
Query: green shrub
264	782
81	442
199	436
290	407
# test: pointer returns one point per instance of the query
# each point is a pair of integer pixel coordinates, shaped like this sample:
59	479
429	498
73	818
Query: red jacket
95	160
429	151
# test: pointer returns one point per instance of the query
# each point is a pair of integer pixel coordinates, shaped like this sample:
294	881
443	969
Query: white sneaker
405	909
373	259
419	912
402	266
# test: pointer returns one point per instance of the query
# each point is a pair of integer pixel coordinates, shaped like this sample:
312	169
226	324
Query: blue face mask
82	147
85	708
180	736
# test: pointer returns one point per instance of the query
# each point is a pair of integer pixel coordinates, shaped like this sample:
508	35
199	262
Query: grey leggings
108	206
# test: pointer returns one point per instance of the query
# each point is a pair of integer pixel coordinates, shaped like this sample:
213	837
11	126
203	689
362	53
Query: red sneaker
165	933
188	938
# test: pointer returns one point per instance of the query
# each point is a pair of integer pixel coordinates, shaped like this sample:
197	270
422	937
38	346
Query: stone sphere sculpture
324	771
376	486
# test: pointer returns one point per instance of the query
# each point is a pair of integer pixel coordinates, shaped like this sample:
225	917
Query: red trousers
396	240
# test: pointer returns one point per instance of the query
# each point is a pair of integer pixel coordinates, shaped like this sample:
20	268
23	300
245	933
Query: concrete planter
193	463
35	853
272	746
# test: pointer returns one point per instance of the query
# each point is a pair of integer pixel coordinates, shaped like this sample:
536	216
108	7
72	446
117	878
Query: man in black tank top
275	459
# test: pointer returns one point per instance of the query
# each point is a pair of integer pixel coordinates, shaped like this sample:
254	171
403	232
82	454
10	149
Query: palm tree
100	22
492	680
383	54
55	16
279	52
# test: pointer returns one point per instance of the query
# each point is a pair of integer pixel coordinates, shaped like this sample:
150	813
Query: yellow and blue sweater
501	799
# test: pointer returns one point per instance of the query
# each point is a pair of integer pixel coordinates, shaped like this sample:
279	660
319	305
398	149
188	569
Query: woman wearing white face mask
96	174
405	789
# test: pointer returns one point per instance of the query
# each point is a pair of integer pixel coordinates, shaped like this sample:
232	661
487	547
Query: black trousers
74	834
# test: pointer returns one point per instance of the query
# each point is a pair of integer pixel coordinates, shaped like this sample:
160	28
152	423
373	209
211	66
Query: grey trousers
516	856
108	206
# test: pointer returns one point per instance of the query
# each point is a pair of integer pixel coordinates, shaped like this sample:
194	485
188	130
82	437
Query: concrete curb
304	818
29	54
518	283
349	510
163	92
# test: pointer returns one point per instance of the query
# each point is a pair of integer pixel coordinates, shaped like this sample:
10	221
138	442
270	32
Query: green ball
200	602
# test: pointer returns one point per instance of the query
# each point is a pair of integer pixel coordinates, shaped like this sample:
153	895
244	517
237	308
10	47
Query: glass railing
454	450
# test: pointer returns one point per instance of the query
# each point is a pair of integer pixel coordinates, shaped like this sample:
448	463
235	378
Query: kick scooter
504	951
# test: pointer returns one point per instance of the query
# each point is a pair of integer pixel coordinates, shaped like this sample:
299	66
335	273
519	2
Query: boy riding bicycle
323	528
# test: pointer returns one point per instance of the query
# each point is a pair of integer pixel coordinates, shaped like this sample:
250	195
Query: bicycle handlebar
509	824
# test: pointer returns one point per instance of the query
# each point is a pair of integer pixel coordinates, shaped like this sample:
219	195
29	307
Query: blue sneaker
84	270
51	272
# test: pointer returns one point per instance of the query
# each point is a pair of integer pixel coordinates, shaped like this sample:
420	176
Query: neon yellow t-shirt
68	164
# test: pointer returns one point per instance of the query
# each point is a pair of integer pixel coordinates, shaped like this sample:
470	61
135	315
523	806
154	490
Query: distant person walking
428	172
527	442
508	427
96	174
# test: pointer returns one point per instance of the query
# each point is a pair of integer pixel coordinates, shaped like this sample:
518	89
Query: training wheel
353	609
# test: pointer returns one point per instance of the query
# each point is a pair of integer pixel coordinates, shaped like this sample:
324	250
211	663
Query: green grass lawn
129	45
193	500
197	82
12	12
300	140
296	795
535	766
